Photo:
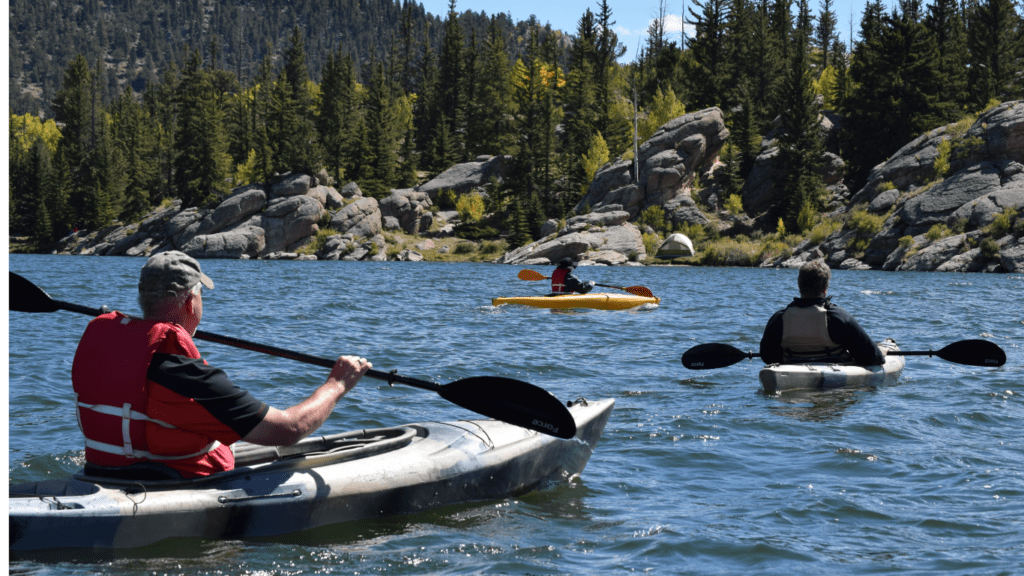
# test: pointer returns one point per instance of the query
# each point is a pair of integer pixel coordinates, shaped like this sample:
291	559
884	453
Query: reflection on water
816	405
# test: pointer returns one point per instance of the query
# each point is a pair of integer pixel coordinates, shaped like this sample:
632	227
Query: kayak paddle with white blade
505	399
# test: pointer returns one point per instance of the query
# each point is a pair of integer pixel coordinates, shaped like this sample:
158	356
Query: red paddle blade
640	291
532	275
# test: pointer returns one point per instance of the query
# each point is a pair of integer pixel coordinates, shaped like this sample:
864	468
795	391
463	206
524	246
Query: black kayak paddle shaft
505	399
966	352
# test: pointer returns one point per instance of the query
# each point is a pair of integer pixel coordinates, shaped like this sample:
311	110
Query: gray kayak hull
824	376
320	482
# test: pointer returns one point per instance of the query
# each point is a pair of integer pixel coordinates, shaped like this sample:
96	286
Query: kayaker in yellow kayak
813	328
150	406
564	282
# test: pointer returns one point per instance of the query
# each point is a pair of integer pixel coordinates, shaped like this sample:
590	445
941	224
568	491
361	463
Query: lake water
697	472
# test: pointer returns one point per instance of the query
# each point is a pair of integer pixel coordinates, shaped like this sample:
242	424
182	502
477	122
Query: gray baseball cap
171	271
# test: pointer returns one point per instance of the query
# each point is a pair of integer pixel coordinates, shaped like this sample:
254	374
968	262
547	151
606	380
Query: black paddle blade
512	401
708	356
25	296
973	353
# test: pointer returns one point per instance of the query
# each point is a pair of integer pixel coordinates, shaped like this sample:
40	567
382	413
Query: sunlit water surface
697	472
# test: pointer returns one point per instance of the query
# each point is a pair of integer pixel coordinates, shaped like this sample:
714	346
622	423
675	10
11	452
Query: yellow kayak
599	301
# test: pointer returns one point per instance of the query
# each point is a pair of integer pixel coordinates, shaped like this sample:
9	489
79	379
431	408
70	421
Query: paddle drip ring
392	376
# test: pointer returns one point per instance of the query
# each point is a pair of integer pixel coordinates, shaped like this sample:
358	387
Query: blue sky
631	17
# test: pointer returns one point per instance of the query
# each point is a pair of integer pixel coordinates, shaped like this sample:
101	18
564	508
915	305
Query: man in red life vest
151	407
563	281
813	328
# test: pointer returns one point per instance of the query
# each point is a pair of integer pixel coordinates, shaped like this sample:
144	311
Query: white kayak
318	482
824	376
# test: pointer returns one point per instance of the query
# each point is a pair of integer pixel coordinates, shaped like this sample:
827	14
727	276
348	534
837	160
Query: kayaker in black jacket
813	328
563	281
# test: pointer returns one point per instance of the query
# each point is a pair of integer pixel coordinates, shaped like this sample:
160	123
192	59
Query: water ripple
697	472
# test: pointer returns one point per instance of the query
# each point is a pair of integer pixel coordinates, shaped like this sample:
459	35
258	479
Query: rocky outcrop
410	209
288	222
1011	255
590	238
360	219
243	242
759	191
984	179
468	177
254	221
668	162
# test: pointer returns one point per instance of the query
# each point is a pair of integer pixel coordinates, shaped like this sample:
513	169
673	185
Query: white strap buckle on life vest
112	449
126	420
127	415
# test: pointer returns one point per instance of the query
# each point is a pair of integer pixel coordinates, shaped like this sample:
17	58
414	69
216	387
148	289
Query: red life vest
558	280
112	396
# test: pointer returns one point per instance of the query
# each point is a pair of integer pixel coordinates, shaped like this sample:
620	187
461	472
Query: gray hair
813	278
155	305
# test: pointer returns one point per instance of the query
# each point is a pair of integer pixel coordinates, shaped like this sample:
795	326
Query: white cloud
674	25
622	31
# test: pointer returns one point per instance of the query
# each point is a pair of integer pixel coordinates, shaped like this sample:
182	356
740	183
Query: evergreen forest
117	107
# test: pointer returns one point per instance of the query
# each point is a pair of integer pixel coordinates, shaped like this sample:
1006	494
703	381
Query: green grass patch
824	229
1003	223
734	204
743	251
318	242
937	232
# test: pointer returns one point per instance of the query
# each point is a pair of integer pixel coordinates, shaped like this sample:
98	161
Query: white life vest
805	336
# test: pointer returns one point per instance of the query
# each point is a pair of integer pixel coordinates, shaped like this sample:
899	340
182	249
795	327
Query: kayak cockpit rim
308	453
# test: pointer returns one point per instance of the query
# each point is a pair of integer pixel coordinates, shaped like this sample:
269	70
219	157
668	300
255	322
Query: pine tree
519	229
105	195
73	109
765	69
947	27
744	138
472	110
995	39
531	89
426	114
378	171
780	21
408	160
56	191
800	146
450	94
825	34
262	113
201	163
581	112
740	48
608	50
495	97
841	92
294	135
339	115
132	131
160	101
709	50
895	74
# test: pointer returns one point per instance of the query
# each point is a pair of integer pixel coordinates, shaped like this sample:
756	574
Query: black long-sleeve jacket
843	329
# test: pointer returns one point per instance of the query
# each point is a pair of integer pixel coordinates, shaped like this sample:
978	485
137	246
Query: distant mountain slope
137	40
